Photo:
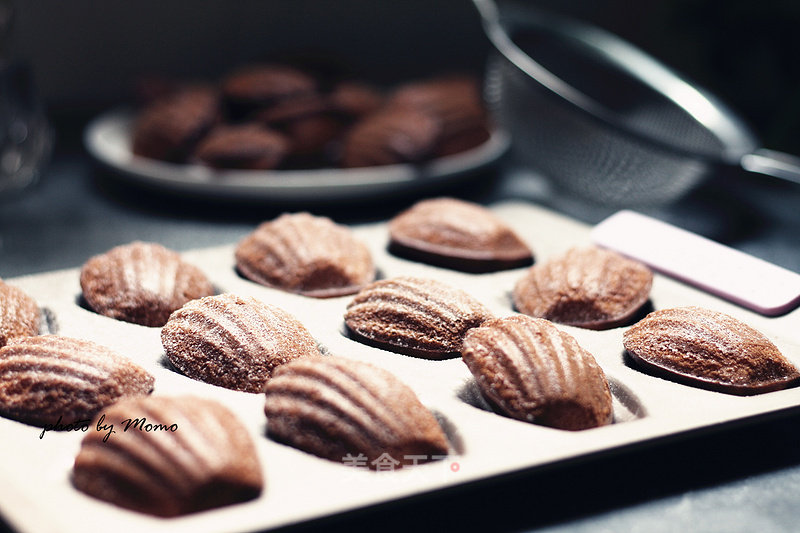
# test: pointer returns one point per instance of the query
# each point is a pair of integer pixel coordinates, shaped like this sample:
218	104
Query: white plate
108	139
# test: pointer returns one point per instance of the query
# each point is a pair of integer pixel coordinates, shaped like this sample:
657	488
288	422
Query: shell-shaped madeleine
534	372
49	379
457	234
141	283
415	316
305	254
710	350
234	342
587	287
168	456
341	409
19	313
393	134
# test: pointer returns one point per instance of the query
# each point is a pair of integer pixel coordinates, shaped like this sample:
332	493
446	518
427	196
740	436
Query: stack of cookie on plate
276	116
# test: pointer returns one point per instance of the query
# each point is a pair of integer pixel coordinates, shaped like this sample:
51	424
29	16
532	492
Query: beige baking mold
36	494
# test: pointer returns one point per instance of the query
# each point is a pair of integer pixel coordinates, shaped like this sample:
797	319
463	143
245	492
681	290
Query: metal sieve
602	119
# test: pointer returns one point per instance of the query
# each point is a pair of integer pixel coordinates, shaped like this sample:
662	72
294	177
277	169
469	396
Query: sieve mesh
629	101
580	154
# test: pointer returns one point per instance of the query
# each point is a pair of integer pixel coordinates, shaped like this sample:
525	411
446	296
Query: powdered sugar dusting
709	346
415	313
454	225
305	254
211	461
537	373
19	313
141	283
234	342
48	377
350	407
586	287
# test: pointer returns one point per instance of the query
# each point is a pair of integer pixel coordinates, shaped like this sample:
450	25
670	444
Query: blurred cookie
141	283
255	87
312	139
308	123
389	136
246	146
290	109
456	102
169	128
353	100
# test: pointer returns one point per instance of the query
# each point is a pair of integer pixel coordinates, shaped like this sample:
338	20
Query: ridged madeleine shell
50	379
457	234
305	254
416	316
19	313
339	409
141	283
179	455
709	349
534	372
234	342
587	287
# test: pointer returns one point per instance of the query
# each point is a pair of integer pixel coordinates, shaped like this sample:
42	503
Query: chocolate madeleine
709	350
392	135
354	99
312	125
291	109
456	102
588	287
168	456
456	234
141	283
532	371
414	316
169	128
309	124
341	409
258	86
19	313
314	140
305	254
48	379
246	146
234	342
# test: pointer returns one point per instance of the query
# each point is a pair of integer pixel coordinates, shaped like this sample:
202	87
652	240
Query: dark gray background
88	53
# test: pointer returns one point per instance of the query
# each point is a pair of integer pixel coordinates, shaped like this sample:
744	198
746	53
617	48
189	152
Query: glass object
25	134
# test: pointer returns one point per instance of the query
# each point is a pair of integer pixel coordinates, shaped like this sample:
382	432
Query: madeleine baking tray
37	495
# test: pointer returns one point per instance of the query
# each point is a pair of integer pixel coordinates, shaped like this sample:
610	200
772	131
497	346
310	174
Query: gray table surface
732	479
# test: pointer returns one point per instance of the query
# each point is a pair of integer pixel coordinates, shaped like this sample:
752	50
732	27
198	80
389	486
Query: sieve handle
773	163
711	266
